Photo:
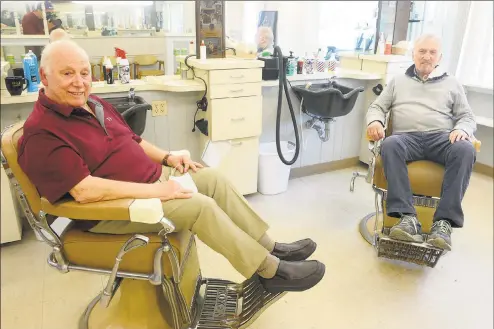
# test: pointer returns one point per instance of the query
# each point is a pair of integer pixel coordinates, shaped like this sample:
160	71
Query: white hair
427	36
57	46
58	34
266	31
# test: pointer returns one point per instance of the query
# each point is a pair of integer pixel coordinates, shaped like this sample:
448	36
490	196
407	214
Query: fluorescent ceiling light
141	3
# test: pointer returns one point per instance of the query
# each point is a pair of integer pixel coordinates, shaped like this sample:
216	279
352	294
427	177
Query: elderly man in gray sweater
431	121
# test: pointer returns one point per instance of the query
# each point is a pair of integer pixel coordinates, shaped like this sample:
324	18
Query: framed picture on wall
266	36
210	27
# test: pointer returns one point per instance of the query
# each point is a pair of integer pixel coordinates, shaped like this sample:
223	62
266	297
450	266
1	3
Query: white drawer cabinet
219	77
235	90
234	118
240	164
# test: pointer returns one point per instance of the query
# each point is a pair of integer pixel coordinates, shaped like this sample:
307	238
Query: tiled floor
359	291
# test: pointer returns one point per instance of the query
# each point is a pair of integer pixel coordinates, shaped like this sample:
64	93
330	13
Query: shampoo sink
133	110
326	101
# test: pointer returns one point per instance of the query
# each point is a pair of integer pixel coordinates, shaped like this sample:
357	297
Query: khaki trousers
219	215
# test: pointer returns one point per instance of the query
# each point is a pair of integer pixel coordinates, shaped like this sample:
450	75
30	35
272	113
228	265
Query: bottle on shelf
31	71
124	66
202	51
380	45
388	46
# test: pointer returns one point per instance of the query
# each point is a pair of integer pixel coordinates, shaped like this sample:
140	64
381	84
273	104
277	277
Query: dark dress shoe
295	251
295	276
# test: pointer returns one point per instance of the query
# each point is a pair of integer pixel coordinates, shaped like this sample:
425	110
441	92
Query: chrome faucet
131	94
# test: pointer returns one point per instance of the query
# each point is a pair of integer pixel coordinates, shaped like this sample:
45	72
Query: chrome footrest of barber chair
229	305
411	252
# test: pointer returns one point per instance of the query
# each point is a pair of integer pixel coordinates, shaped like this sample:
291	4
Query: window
475	65
342	22
305	26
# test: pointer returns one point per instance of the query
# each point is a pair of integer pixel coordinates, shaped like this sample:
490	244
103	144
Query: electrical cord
202	104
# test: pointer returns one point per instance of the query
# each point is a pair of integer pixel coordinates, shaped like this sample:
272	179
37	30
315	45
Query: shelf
479	89
484	121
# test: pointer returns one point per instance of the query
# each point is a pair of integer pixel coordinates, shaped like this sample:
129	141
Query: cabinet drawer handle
238	119
235	143
236	90
237	76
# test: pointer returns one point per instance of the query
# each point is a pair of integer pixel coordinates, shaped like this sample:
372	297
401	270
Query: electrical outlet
159	108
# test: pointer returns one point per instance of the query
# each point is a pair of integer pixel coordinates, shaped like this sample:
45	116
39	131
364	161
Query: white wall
483	105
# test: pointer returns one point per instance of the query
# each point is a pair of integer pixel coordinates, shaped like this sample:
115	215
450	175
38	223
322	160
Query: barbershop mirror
386	21
11	19
176	16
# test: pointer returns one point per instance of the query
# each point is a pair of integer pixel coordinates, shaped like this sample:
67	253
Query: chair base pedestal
136	305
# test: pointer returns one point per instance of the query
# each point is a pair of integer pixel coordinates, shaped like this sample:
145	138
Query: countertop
377	58
173	83
339	73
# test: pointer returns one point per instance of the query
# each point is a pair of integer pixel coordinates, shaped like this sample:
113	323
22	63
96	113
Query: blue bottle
291	64
31	71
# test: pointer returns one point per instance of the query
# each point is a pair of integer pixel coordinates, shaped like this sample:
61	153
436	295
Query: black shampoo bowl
325	101
133	110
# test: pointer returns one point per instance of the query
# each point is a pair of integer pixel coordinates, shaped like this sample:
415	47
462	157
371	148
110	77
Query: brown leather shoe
295	276
295	251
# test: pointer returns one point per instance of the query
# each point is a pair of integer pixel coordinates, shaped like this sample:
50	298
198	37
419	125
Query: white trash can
273	174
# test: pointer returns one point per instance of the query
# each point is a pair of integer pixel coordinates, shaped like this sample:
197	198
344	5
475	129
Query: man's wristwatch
164	162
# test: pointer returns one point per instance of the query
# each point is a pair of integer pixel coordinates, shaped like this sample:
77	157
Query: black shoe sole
398	234
277	285
439	243
299	255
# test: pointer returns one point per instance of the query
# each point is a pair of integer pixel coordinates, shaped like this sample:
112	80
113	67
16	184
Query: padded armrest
476	144
102	210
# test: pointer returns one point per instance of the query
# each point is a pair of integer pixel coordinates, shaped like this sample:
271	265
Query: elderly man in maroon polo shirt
77	145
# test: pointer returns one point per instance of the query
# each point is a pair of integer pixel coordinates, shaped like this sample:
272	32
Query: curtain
475	63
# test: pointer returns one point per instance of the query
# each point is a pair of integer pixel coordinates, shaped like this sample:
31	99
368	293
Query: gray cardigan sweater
437	104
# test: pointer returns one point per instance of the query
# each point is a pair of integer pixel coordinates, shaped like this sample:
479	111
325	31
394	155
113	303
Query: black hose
282	83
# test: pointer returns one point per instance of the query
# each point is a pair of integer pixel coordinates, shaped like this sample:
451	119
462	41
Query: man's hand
182	163
171	190
458	135
375	131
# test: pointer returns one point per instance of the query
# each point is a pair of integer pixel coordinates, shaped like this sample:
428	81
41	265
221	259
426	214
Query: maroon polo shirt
31	24
62	145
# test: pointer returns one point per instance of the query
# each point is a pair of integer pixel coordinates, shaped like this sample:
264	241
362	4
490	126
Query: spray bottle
124	65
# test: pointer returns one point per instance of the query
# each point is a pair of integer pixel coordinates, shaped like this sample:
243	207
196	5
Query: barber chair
155	280
426	178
